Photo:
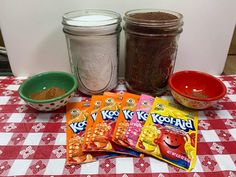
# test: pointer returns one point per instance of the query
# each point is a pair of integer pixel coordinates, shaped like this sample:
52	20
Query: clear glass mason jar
151	47
93	45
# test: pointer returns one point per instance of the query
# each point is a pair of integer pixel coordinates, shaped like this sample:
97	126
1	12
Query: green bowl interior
47	80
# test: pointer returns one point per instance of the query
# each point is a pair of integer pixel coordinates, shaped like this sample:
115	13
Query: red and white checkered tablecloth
33	143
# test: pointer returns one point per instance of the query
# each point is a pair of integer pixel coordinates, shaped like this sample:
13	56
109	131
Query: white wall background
33	35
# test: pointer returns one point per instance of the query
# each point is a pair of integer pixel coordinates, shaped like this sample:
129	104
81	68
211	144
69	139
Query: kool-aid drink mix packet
138	119
128	105
104	125
170	134
77	116
105	122
92	113
76	120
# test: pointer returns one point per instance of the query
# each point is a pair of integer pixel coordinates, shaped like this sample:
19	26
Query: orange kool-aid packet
92	113
105	122
76	120
128	105
104	125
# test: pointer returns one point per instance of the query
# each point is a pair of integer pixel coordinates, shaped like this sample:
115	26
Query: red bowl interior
197	85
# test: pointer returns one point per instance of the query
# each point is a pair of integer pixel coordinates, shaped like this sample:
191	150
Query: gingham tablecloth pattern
33	143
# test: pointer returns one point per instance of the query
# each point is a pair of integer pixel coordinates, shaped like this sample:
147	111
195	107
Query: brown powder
48	94
153	16
199	95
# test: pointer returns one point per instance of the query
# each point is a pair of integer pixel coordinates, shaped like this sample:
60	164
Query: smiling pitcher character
169	141
168	135
172	146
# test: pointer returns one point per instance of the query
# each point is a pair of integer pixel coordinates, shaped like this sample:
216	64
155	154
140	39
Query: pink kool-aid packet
138	120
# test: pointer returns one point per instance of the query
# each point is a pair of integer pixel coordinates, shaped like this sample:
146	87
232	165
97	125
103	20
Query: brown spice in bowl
199	95
48	93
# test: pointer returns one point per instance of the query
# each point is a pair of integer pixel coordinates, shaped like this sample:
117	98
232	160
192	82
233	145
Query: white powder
94	58
96	61
91	20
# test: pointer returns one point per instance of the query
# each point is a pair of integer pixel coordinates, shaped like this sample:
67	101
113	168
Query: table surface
33	143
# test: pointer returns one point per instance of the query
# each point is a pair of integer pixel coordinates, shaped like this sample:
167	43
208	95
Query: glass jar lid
94	21
154	17
153	22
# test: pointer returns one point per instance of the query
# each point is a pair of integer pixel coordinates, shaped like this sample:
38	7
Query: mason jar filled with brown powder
151	47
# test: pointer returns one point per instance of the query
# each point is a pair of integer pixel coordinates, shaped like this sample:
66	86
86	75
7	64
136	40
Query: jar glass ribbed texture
151	48
93	45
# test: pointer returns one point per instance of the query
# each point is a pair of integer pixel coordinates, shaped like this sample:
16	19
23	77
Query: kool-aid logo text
179	123
109	115
128	114
142	116
77	127
94	116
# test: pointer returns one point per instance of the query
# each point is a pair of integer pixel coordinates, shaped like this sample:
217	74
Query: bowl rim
75	85
170	82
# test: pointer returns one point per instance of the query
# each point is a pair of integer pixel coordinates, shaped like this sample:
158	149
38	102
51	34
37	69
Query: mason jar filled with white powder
93	45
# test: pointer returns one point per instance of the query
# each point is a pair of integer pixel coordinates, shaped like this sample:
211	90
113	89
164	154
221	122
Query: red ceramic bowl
196	90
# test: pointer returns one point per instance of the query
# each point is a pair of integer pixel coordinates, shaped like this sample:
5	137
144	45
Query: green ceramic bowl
48	80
